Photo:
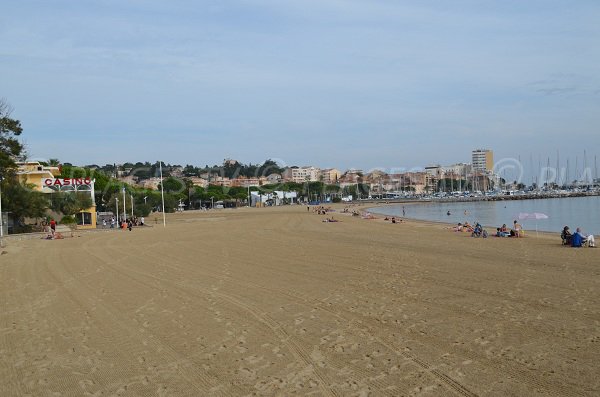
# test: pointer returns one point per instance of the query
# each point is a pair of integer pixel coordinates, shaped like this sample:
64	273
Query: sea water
574	212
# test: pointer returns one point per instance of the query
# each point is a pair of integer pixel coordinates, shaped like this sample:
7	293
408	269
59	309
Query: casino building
44	179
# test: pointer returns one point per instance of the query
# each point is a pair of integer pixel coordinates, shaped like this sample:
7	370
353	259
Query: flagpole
1	218
162	194
124	209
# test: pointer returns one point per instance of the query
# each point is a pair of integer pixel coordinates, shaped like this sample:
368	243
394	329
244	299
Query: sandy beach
274	301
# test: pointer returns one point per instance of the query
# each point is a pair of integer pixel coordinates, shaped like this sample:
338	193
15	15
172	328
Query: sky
331	83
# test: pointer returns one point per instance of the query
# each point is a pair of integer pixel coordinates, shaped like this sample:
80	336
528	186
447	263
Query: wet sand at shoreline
276	302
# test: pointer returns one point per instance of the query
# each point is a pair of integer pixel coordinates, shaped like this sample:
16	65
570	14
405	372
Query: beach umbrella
533	215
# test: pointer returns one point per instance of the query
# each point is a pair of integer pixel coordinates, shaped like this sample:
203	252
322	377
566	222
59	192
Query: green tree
22	201
11	148
70	203
173	185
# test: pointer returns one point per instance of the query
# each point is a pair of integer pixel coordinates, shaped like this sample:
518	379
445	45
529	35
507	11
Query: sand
275	302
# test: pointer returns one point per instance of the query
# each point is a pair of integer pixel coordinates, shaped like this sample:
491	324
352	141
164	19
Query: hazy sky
341	83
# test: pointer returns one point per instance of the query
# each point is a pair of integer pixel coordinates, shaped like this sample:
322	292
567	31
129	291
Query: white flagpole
1	218
124	201
162	193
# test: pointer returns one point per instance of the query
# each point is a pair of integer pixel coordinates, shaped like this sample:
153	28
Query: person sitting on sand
393	219
458	227
579	239
566	235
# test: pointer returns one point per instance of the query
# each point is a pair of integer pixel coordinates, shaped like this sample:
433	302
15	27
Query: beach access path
273	301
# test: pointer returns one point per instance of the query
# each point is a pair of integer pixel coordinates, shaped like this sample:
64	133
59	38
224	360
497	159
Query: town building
330	176
44	179
32	172
482	160
243	181
302	174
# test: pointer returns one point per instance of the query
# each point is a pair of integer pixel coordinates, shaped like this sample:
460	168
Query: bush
68	220
336	200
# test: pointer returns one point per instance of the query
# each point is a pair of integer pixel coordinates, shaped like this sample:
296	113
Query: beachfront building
302	174
330	176
278	197
433	174
377	180
44	179
32	172
482	161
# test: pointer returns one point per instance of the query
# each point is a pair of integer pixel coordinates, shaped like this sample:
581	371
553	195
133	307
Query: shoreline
529	224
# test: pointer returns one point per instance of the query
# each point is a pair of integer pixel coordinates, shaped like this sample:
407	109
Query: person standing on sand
52	227
403	211
518	229
142	221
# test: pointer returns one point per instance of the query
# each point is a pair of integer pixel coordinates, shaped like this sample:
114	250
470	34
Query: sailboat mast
557	169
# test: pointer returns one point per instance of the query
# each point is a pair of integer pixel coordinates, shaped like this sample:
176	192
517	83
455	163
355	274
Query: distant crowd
127	223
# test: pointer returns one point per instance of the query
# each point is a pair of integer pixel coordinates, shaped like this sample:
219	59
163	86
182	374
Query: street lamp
124	201
117	207
131	195
212	202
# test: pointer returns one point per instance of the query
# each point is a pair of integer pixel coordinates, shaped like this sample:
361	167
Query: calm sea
575	212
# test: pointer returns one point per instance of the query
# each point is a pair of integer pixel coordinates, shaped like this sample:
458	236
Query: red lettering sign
67	181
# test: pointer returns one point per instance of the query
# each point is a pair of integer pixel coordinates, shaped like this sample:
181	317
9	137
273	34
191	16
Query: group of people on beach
516	231
321	210
127	223
50	229
577	239
479	231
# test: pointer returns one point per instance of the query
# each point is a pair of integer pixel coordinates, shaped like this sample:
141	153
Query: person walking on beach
112	222
52	227
142	221
403	211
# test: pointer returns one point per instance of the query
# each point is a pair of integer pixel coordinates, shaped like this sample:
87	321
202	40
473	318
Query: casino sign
68	184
